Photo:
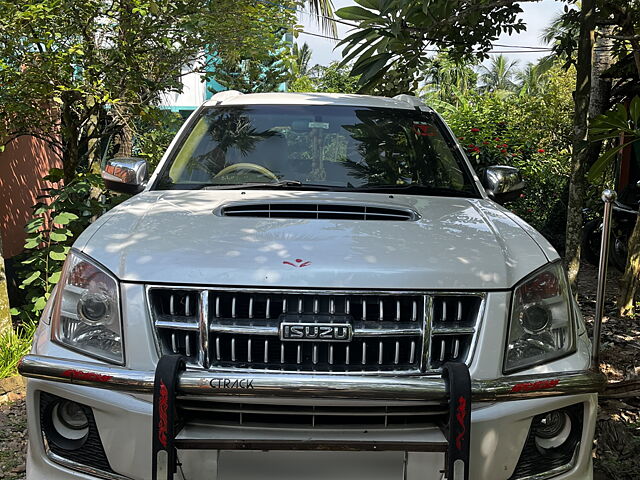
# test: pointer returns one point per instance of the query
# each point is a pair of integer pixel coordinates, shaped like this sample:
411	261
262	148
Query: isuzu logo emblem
316	332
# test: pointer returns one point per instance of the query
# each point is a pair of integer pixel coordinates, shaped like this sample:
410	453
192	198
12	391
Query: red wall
22	165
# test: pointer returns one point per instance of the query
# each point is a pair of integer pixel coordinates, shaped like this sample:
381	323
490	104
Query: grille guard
454	389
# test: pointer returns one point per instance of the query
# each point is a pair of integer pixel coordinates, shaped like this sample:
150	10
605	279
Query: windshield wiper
282	184
415	189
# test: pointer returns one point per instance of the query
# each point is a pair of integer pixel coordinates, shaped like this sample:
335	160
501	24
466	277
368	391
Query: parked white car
311	286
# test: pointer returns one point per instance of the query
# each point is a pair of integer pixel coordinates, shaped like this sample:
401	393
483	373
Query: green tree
266	74
301	57
74	81
532	80
446	80
335	78
393	36
499	75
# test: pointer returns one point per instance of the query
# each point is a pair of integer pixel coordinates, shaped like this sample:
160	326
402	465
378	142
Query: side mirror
125	175
502	183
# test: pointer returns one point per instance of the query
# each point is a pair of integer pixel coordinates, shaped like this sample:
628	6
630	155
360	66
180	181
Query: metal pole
608	197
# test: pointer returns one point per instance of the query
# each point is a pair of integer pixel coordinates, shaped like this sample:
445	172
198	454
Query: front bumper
497	437
294	385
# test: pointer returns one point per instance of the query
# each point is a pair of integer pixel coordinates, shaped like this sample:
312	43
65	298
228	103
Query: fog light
552	429
71	415
535	318
552	446
67	425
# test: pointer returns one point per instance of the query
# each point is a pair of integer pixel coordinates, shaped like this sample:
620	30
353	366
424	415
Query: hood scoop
324	211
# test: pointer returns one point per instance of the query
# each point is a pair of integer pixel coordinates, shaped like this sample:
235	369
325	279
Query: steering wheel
265	172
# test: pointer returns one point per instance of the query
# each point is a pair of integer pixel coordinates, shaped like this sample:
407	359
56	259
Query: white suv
311	286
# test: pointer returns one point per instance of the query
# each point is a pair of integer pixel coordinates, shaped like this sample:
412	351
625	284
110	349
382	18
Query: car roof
231	97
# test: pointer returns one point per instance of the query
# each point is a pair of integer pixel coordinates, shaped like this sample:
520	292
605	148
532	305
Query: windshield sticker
324	125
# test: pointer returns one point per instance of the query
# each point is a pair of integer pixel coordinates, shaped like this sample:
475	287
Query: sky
536	15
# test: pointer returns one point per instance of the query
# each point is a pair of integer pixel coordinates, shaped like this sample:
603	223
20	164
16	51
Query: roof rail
412	100
226	95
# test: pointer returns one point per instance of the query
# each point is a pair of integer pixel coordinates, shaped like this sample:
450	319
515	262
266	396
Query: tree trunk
630	281
579	157
5	316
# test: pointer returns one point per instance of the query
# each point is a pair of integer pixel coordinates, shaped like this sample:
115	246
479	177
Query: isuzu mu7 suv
311	286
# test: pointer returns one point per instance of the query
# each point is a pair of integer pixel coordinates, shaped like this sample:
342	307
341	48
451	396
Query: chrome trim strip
247	329
554	472
203	329
425	348
453	331
174	325
209	382
79	467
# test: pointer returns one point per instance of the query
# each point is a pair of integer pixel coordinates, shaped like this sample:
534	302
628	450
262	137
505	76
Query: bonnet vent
327	211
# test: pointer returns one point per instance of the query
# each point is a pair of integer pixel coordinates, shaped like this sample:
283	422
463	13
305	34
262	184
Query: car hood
179	237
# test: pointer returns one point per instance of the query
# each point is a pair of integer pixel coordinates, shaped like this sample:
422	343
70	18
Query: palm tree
499	75
323	10
447	80
302	57
532	79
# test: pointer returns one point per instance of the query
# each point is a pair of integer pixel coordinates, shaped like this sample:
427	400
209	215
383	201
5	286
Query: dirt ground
617	443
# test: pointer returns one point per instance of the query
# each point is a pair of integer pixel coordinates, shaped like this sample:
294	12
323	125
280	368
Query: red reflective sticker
89	376
163	423
461	414
534	386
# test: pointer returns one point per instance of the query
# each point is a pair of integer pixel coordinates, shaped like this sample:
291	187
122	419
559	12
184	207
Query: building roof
231	97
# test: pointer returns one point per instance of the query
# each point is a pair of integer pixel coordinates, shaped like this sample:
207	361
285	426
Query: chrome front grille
400	332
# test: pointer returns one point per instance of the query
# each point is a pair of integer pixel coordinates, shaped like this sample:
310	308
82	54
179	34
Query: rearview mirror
125	174
502	183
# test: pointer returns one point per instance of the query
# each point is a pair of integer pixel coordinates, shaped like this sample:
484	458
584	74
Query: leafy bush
72	208
14	344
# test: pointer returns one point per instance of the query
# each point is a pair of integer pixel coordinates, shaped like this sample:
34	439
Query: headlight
541	327
86	314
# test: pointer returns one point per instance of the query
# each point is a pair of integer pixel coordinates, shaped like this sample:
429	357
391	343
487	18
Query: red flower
485	143
503	151
541	150
460	138
475	130
471	145
497	139
476	149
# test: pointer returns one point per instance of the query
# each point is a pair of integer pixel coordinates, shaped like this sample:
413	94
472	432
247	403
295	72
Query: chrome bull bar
171	381
293	385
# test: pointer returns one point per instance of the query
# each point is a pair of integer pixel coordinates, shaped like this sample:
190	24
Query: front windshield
326	146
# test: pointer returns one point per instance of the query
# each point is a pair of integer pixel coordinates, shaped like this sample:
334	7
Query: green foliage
98	64
153	131
447	80
391	45
14	344
333	78
620	124
265	74
72	208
